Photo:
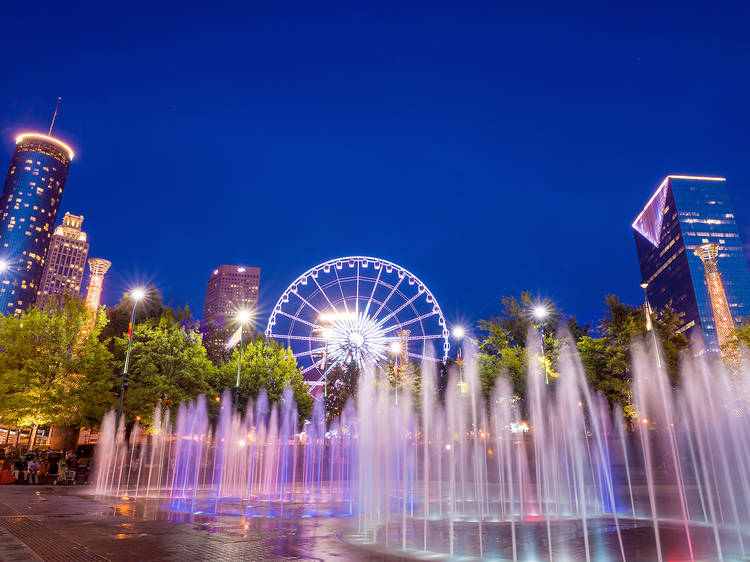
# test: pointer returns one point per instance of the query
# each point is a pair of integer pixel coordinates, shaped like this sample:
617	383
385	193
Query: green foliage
265	365
118	317
503	350
606	359
168	365
53	367
342	385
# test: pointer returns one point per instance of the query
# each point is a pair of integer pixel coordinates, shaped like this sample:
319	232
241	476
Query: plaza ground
63	524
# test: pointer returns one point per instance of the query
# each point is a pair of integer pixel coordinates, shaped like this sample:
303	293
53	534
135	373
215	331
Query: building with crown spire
66	260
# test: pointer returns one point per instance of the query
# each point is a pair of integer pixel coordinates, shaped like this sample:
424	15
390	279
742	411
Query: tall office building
685	213
28	210
231	288
97	268
66	260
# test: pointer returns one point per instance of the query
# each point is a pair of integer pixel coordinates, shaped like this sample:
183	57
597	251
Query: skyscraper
97	268
28	210
683	214
230	288
66	260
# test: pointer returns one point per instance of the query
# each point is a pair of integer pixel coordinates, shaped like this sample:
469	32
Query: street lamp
4	266
540	313
136	295
458	333
649	323
243	317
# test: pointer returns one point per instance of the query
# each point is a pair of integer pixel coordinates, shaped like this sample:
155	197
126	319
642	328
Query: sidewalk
62	523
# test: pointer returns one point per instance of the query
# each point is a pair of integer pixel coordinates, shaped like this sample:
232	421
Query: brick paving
63	524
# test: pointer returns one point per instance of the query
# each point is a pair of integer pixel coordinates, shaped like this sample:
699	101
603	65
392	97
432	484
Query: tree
118	317
606	359
342	382
503	348
265	365
168	365
53	367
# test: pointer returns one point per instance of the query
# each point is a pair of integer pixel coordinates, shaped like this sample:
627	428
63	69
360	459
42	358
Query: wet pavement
64	524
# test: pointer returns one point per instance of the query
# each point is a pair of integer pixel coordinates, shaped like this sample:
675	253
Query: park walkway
62	524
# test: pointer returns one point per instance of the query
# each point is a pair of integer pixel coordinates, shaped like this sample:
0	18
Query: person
6	476
19	469
62	470
33	468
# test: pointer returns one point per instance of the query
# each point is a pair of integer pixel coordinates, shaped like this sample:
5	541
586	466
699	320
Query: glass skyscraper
28	210
683	213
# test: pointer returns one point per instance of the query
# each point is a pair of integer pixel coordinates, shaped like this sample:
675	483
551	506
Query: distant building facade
230	288
66	260
28	209
683	214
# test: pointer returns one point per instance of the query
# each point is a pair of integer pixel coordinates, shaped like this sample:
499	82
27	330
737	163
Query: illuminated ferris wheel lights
357	314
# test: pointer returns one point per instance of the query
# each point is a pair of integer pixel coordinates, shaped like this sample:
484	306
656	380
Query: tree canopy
265	365
168	365
53	367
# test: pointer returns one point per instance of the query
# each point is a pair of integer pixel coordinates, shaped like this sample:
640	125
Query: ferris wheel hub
356	339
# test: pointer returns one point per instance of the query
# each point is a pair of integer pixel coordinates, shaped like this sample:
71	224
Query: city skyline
449	129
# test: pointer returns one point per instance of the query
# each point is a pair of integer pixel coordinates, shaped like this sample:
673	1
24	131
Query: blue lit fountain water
564	479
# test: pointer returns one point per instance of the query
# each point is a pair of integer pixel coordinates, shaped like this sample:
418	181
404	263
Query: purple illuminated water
467	478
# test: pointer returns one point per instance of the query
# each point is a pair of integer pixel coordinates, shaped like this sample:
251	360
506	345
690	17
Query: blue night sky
489	149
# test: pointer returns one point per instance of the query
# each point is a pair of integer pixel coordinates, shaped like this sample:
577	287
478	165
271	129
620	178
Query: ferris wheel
358	309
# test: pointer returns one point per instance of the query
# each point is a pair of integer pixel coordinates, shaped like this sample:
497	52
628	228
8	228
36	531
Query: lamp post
243	317
649	321
136	295
540	314
458	333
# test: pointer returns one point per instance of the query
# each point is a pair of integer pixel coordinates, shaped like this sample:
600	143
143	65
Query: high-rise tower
722	316
230	289
66	260
97	268
28	210
683	214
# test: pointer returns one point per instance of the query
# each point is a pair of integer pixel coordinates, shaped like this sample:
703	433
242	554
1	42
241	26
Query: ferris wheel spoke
325	295
311	352
341	289
296	319
300	338
409	322
374	287
393	290
356	298
399	309
304	300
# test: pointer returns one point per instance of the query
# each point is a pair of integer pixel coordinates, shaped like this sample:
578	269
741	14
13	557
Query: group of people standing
37	467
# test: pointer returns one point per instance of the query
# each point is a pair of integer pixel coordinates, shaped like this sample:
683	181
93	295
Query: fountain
456	475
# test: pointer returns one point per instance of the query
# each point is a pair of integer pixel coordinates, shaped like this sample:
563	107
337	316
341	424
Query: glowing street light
243	317
540	312
136	295
4	266
458	333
